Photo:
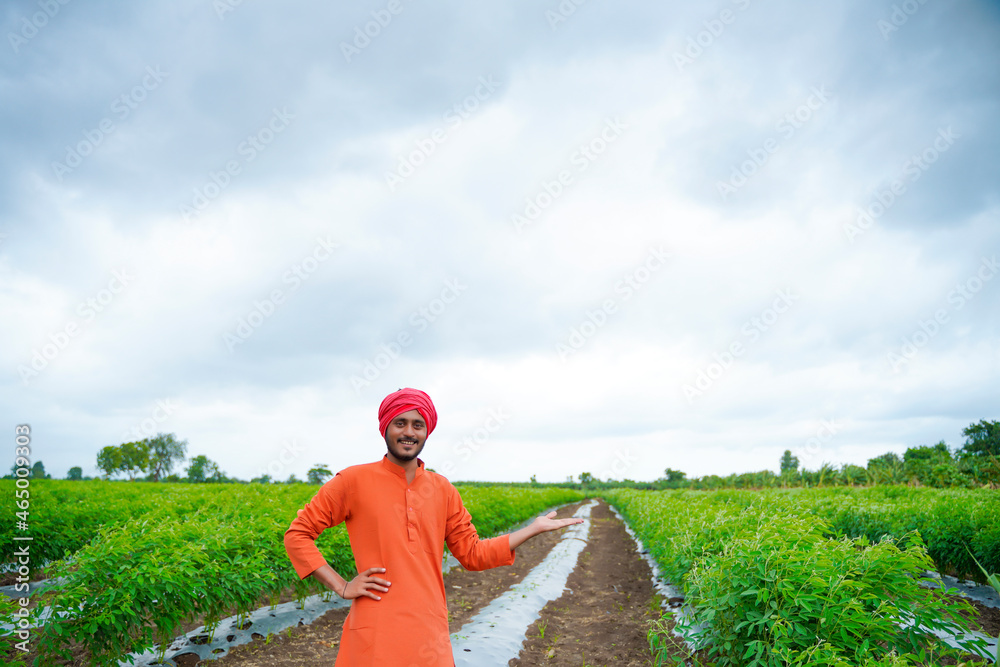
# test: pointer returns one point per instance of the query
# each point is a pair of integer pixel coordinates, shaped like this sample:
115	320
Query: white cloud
660	142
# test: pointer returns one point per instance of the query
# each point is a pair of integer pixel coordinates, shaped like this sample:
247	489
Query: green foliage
948	520
135	458
927	464
70	514
75	473
165	451
318	474
886	469
204	469
674	476
981	440
771	583
8	640
789	463
109	460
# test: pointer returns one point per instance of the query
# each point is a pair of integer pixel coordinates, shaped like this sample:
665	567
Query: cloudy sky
603	237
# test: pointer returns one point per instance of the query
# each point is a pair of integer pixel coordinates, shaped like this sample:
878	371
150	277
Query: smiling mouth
408	443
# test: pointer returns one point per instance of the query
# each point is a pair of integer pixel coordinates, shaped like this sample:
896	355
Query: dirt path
603	618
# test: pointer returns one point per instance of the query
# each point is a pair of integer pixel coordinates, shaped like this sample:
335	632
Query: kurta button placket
413	538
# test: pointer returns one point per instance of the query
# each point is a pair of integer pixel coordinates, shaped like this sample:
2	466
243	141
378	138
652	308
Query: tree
135	458
586	479
109	460
938	452
263	479
165	450
933	466
981	440
204	469
885	469
789	463
292	479
851	474
889	460
75	473
38	471
318	474
675	475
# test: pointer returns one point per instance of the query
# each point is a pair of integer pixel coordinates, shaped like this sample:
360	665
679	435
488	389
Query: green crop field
807	577
774	577
147	557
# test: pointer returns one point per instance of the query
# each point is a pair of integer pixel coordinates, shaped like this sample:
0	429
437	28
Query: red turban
405	400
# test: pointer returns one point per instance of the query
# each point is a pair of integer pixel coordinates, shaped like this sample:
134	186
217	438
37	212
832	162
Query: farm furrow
604	615
496	634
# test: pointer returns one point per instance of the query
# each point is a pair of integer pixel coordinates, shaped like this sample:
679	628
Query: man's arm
478	554
542	524
327	508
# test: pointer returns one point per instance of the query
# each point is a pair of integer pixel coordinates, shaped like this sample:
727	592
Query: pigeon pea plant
768	583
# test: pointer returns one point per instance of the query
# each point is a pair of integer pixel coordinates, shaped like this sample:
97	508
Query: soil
11	578
603	616
988	618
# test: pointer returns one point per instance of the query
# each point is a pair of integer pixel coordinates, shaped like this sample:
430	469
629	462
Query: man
398	516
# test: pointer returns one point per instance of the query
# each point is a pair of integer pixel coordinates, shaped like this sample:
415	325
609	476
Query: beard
396	450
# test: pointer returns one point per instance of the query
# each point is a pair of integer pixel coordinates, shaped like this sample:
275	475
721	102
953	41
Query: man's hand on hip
365	583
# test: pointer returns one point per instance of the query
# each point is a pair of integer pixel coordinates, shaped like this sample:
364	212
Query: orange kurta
402	528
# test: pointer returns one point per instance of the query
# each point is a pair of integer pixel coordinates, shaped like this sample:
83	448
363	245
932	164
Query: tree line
154	460
976	463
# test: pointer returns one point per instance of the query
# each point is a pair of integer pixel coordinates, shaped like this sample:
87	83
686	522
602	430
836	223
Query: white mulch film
497	633
967	589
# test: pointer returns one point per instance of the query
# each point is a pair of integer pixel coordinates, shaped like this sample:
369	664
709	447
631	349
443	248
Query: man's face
405	436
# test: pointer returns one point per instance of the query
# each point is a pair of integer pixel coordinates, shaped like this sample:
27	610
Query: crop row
958	526
767	582
136	582
70	514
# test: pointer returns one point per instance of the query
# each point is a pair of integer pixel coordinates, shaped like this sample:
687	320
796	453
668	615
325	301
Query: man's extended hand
542	524
549	522
365	583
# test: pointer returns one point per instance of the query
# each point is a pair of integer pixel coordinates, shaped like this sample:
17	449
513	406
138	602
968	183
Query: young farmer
398	516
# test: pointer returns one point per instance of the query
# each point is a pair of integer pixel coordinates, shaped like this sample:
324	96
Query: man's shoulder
361	469
440	481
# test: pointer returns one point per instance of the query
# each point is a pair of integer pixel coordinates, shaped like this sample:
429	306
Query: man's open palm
549	522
